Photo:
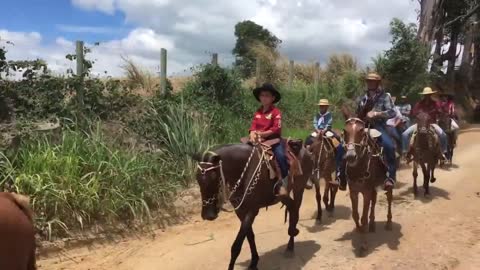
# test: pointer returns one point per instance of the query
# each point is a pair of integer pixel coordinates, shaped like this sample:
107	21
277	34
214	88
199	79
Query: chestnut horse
246	171
425	150
323	152
17	233
365	170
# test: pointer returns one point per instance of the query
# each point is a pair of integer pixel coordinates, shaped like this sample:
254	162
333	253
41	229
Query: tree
249	34
404	65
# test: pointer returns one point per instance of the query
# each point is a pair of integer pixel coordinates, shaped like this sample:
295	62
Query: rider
322	122
267	125
433	109
449	108
376	107
393	123
405	109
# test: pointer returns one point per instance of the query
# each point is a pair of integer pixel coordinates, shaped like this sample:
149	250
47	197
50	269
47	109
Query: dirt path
440	232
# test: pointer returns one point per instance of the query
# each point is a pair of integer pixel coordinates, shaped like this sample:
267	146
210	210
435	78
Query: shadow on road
365	244
341	213
435	193
277	259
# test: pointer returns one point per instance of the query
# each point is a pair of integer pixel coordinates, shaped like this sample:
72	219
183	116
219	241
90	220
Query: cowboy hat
373	77
269	88
323	102
427	91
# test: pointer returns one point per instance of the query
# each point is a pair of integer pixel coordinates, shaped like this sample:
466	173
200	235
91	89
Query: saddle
293	149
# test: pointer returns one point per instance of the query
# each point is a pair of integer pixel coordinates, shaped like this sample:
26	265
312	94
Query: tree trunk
426	20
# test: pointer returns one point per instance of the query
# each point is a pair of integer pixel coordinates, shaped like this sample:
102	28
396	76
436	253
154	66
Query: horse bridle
363	144
221	183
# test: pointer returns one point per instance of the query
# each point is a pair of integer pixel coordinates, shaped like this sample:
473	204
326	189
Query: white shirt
398	115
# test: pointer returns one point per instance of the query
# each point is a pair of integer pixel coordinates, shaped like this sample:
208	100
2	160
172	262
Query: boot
342	181
282	189
389	183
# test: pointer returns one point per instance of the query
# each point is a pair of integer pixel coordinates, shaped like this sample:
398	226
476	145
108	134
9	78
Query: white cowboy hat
373	77
323	102
427	91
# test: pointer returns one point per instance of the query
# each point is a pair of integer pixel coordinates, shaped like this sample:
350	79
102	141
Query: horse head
423	123
355	139
209	177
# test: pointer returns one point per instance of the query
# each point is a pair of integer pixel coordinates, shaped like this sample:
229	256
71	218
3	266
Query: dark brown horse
445	122
425	150
246	172
365	171
323	152
17	234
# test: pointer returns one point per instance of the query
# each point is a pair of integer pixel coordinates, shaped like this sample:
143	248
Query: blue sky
62	19
138	29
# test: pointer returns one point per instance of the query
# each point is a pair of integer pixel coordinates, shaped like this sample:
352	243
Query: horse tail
23	202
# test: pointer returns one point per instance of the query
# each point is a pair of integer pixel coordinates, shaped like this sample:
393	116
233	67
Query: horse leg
432	177
367	197
294	217
355	214
426	178
253	250
318	196
415	175
326	194
333	194
245	226
371	225
388	226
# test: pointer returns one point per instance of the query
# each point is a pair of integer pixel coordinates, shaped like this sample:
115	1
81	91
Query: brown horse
17	234
425	150
246	171
365	171
323	152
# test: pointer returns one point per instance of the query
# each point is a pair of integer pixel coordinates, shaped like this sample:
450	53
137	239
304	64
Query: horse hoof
388	226
433	180
318	221
252	268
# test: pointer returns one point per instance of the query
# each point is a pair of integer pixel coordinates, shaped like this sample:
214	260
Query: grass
85	179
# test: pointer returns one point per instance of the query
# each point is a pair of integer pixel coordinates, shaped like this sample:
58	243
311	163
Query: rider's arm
329	121
389	109
315	122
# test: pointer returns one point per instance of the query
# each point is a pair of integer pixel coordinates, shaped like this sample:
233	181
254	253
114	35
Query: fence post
80	71
163	71
215	59
290	74
258	72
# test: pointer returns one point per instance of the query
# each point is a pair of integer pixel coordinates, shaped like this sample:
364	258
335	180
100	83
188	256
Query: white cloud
190	29
86	29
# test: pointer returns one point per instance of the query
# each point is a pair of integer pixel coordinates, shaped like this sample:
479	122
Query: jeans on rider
408	133
388	150
279	152
393	131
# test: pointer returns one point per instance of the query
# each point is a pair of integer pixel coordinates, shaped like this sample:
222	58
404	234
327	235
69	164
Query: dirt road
439	232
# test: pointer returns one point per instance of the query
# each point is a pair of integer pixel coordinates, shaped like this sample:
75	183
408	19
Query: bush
86	179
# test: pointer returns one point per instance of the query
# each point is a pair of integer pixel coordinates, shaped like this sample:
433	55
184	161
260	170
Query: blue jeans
279	152
339	157
408	133
388	150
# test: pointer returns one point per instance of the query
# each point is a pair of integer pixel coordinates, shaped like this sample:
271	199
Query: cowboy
433	108
267	125
449	108
405	109
393	124
375	107
322	123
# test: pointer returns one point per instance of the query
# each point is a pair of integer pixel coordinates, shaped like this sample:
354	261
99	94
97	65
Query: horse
245	170
445	122
425	150
17	233
365	170
323	152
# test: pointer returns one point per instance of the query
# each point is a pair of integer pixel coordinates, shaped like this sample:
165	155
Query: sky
191	30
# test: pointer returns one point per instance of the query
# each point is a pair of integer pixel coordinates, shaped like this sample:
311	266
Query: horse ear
215	159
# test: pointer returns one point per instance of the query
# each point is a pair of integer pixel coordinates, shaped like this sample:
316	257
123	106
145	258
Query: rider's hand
253	136
371	114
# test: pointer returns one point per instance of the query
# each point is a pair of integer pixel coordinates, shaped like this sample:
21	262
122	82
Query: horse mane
23	202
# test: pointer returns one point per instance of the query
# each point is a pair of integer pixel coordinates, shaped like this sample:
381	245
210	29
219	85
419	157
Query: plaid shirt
383	105
405	109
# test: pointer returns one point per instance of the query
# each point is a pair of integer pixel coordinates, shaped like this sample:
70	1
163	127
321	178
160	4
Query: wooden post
258	72
163	71
215	59
80	71
290	74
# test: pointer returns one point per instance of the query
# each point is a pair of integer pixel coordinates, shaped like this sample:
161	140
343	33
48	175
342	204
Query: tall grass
84	179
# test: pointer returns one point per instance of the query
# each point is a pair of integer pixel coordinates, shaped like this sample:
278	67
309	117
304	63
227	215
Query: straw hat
428	91
323	102
373	77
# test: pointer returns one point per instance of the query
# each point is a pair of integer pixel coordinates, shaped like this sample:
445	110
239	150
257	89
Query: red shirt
268	120
432	108
449	107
